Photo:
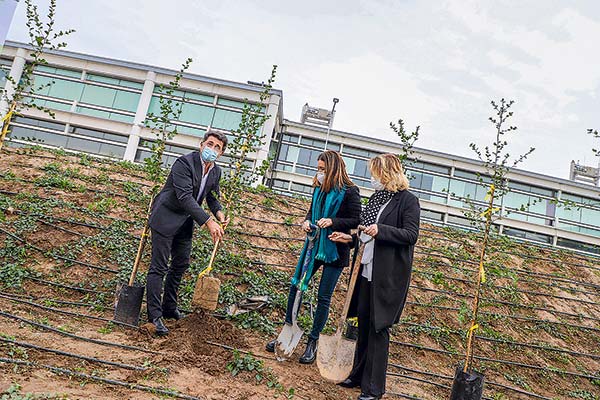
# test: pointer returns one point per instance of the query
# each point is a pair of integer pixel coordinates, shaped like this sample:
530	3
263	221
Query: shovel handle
142	244
210	262
140	251
353	279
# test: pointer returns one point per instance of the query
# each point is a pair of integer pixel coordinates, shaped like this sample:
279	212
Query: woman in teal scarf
335	207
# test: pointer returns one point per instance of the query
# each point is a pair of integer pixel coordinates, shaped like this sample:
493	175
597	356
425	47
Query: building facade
101	107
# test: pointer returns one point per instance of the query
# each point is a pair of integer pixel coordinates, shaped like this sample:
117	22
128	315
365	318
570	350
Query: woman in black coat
391	220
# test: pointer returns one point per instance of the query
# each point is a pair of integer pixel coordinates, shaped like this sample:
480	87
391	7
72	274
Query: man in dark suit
193	178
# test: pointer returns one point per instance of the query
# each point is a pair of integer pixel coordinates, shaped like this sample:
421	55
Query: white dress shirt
367	257
204	179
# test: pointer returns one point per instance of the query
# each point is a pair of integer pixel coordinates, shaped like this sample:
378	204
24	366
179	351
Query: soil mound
190	339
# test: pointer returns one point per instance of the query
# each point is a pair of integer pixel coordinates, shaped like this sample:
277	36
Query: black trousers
178	248
372	348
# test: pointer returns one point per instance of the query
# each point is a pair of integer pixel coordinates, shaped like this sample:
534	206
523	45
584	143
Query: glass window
188	130
58	71
298	187
121	117
114	81
429	167
572	244
278	183
471	176
361	168
519	233
196	114
61	88
29	133
92	112
289	138
289	153
350	164
41	123
230	103
126	101
523	187
229	120
359	152
307	157
199	97
580	199
99	96
432	215
56	105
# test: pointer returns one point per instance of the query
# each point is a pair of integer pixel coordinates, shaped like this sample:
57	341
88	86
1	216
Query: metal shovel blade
335	357
128	303
290	334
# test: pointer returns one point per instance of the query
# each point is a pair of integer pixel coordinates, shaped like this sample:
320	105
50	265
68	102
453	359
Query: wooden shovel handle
212	259
353	279
142	244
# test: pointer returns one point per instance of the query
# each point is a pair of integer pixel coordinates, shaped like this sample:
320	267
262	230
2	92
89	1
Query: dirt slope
69	229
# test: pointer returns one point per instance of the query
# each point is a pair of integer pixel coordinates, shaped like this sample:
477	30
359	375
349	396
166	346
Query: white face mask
376	183
320	177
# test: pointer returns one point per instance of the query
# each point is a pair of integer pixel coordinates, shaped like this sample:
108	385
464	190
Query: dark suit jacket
398	230
347	218
176	203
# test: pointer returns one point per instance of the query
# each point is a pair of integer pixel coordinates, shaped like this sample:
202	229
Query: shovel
290	334
128	298
335	354
206	291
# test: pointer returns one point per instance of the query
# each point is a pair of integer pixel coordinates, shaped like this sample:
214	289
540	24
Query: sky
436	64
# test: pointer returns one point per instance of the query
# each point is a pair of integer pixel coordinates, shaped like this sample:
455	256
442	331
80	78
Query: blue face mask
209	155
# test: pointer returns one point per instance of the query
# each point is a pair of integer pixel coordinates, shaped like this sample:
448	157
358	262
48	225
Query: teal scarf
322	249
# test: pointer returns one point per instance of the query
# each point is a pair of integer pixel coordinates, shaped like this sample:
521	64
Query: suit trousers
372	347
178	248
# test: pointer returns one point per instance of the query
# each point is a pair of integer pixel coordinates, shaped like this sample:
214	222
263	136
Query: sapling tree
42	37
596	135
163	127
497	163
248	138
407	141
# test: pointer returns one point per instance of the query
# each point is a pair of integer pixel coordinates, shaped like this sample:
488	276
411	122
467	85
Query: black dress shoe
270	347
364	396
175	314
161	329
310	354
349	383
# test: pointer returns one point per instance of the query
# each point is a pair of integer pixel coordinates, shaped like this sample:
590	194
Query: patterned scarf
368	216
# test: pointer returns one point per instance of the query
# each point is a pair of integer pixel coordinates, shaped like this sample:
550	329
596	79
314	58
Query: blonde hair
336	176
388	169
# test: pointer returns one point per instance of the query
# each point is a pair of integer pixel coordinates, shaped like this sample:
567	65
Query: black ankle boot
270	347
310	353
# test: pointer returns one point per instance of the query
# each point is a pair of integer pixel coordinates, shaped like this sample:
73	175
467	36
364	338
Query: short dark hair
217	135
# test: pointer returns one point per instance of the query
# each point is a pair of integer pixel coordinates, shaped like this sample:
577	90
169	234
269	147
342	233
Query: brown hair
388	169
217	135
335	172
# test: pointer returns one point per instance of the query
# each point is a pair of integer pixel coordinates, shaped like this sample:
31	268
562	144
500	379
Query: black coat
346	219
398	229
177	203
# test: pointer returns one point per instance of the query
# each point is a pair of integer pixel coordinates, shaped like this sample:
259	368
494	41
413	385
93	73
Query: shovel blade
335	357
287	341
128	303
206	293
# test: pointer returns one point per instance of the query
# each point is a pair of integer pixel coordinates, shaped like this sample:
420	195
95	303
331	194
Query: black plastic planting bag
467	385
